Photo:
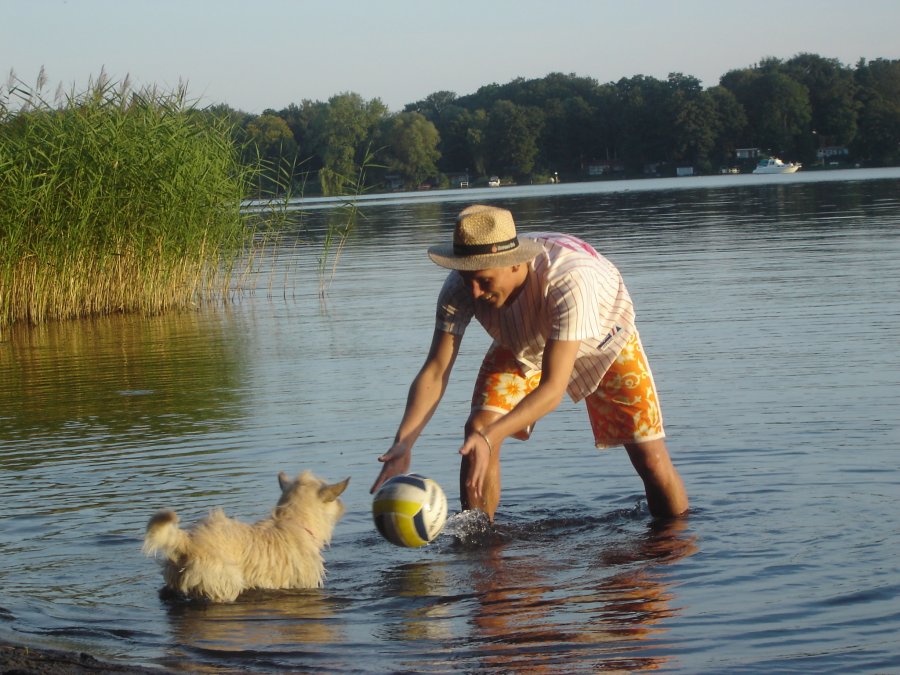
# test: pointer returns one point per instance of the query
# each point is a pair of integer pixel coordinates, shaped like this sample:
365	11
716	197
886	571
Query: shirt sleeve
455	306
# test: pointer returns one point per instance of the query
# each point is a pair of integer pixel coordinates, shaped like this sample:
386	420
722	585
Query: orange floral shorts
623	409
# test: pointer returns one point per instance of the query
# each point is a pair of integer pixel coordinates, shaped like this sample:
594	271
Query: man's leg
625	410
666	495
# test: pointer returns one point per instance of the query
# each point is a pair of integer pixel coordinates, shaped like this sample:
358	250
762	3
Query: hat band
481	249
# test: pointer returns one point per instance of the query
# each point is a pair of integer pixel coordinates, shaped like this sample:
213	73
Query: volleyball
410	510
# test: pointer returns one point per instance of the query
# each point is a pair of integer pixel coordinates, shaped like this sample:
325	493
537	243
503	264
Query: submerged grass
113	200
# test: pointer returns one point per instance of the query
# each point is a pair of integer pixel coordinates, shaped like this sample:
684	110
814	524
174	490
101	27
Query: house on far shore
459	179
746	153
604	167
832	153
393	182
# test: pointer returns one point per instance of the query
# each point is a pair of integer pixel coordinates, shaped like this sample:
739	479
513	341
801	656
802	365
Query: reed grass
114	200
343	221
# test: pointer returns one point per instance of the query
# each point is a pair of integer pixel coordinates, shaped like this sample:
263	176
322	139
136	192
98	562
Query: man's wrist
490	446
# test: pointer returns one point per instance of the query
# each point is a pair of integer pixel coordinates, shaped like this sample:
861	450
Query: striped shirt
571	293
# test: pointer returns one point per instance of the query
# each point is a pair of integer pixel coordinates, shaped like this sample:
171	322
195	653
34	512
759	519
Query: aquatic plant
115	200
343	221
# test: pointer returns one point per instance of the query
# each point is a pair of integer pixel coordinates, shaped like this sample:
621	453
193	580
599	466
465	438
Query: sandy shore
18	660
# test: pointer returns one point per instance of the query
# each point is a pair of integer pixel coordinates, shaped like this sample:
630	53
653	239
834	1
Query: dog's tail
164	536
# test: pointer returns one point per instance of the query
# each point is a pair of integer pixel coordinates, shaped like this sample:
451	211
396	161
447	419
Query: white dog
220	557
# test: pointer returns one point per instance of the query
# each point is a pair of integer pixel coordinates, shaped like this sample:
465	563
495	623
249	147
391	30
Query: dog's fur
221	557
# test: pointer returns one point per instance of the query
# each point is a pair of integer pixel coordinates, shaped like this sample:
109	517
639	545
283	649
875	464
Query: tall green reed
114	200
343	220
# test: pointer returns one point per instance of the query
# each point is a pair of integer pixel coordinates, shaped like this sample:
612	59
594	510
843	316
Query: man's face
496	286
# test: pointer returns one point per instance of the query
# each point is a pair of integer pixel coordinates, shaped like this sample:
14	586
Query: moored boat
775	165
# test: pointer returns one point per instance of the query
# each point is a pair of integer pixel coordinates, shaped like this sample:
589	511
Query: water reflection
262	630
95	382
530	623
425	595
535	609
103	422
261	619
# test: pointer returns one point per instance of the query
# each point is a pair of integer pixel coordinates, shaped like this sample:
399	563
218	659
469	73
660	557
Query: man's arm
556	372
425	393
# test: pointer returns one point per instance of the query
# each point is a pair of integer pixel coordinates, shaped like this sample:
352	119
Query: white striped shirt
571	293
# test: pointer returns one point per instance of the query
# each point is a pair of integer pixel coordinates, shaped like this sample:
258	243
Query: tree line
574	128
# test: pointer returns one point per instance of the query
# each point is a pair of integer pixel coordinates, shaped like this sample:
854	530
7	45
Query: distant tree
730	124
272	136
269	140
483	98
647	120
785	113
686	86
742	85
462	140
512	134
582	138
777	108
410	146
562	122
695	122
568	139
695	129
608	125
342	132
298	119
553	144
832	97
476	141
433	106
878	139
236	118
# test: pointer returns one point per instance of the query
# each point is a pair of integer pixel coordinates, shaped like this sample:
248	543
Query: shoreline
16	659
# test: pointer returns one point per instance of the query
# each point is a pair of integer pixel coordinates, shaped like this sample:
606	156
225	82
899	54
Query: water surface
770	313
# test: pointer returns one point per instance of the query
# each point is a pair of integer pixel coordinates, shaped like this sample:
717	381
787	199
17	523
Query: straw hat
484	238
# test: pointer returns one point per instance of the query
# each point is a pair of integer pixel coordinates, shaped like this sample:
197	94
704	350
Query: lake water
770	308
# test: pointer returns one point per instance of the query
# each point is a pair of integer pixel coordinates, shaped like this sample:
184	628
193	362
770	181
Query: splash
471	529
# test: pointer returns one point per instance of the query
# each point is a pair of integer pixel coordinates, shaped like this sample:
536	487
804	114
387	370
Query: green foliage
272	136
114	200
341	134
513	131
879	118
832	96
410	146
563	123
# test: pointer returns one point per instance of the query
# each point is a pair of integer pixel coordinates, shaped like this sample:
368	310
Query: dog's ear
283	480
328	493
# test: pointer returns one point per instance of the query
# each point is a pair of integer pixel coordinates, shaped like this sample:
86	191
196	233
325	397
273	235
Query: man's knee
650	458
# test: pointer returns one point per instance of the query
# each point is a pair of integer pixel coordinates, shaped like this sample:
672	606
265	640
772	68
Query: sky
266	54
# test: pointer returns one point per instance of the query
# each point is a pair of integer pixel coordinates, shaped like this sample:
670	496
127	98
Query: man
562	322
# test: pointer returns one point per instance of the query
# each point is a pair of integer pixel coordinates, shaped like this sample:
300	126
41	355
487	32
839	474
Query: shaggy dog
220	557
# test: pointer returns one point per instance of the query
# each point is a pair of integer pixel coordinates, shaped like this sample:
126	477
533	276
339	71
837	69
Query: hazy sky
258	54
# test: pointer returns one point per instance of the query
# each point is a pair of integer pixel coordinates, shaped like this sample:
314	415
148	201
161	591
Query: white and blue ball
410	510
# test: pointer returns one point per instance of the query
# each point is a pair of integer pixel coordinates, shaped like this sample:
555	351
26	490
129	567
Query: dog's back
220	557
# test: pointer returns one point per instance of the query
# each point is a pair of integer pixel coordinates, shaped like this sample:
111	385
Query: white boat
775	165
494	181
